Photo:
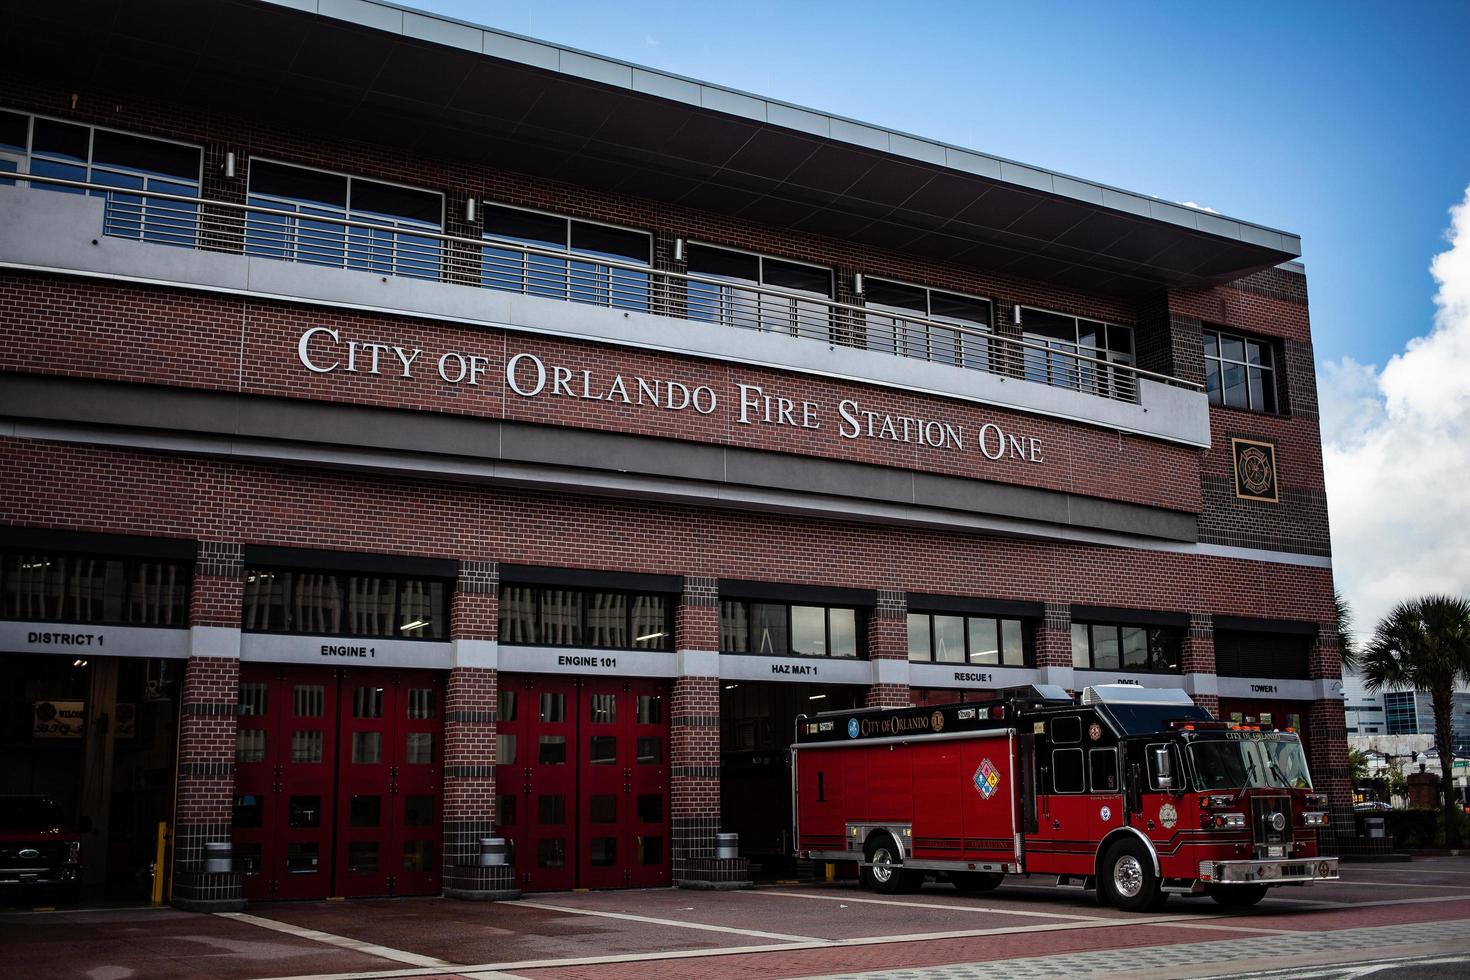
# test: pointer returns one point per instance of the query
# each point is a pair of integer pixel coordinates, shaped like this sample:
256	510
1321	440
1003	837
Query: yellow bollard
157	897
831	871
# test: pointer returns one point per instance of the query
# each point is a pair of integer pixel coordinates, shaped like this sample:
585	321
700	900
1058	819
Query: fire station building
415	434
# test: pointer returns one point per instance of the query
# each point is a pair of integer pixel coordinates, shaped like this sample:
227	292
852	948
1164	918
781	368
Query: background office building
415	433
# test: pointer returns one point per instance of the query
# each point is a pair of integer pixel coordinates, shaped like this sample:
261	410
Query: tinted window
12	131
1066	731
789	275
1103	766
297	183
879	293
56	139
723	263
145	155
29	813
396	202
614	243
525	226
1066	770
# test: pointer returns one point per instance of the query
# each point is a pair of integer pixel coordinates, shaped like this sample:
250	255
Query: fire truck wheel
884	873
1239	896
1127	881
974	882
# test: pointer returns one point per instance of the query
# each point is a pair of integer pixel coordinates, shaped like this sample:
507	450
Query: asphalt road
1381	920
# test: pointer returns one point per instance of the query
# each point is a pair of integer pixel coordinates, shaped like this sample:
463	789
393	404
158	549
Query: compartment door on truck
989	784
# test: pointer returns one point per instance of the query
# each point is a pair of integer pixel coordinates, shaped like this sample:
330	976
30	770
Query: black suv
40	850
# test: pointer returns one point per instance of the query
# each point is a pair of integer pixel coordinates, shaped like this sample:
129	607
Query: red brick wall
100	489
133	333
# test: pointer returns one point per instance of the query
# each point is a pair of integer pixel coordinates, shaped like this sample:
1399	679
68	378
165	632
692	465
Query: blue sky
1346	123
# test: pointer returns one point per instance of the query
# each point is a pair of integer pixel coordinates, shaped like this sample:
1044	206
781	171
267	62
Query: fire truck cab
1135	792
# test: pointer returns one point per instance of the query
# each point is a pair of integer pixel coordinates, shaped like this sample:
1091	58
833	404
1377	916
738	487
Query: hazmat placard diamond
987	779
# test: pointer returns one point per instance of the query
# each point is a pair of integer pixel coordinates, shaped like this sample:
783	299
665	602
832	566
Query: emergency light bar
1132	694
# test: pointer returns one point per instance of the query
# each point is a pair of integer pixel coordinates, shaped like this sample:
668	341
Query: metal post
156	897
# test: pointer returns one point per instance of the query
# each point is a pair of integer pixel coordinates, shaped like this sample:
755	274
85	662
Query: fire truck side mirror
1163	768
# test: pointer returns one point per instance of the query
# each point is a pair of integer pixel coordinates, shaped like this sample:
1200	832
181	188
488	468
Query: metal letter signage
328	351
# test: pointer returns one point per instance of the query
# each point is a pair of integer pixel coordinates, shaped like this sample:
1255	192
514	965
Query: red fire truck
1136	792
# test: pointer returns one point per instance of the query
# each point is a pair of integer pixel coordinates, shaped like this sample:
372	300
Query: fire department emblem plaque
1255	470
1094	732
853	729
936	721
1168	816
987	779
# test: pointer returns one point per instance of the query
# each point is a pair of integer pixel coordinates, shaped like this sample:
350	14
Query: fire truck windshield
1276	762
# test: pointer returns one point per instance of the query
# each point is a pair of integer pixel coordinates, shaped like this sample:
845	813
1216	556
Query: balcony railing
320	238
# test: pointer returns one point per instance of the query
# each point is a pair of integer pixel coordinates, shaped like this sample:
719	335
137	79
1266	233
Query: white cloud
1396	448
1198	207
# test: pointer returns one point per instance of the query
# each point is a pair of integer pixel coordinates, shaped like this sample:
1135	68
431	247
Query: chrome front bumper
1283	872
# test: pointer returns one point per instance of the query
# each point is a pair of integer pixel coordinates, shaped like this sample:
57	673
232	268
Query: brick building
416	433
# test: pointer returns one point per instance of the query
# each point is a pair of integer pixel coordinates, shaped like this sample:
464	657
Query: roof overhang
362	70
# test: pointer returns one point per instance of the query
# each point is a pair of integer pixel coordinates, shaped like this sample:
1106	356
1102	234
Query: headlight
1313	819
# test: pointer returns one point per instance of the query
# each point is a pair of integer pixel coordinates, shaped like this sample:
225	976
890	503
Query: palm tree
1345	646
1424	644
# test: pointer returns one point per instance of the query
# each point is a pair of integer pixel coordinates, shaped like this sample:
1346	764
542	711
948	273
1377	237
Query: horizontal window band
80	542
922	602
1249	624
798	594
406	566
1128	617
588	578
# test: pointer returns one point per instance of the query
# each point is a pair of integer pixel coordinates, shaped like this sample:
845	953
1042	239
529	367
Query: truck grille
49	853
1271	820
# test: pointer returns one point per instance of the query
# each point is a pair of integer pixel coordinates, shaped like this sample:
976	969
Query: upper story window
1240	372
92	154
783	629
580	278
789	312
1113	646
958	639
565	617
79	588
1074	335
1258	653
284	600
390	247
901	336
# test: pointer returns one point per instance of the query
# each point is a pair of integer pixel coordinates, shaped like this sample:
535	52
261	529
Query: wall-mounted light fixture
857	283
1016	313
469	210
230	164
678	250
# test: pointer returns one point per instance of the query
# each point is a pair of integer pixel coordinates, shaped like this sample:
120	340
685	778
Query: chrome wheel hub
882	865
1128	876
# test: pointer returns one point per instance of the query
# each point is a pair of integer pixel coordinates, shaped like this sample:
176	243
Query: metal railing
320	238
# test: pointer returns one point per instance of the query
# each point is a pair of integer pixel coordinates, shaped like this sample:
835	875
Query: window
1066	771
1247	653
390	247
1240	372
1401	715
1109	646
1065	336
581	279
901	335
54	587
554	616
1103	770
51	148
958	639
789	630
345	604
801	309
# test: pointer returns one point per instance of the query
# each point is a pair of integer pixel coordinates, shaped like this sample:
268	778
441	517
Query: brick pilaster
888	640
694	736
206	777
1198	657
1326	722
470	705
1054	636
